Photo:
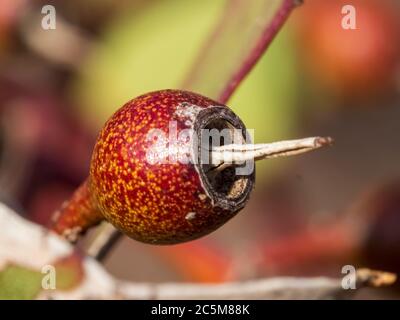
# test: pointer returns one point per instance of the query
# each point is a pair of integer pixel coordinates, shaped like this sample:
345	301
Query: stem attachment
76	215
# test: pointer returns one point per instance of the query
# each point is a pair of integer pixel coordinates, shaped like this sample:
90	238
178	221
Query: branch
30	246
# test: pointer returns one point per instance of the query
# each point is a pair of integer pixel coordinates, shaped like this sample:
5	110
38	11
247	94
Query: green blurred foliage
266	100
20	283
17	283
143	51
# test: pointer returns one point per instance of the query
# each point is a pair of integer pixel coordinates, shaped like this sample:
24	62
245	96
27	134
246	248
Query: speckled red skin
150	203
153	203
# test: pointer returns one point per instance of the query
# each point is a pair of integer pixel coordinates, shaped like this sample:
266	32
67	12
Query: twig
243	152
31	246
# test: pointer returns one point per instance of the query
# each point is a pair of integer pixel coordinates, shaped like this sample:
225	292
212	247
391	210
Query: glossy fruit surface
167	201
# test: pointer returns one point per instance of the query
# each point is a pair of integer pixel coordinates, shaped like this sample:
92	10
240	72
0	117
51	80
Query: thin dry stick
236	153
270	288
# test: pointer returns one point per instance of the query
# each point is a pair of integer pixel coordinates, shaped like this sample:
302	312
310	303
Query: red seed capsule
160	203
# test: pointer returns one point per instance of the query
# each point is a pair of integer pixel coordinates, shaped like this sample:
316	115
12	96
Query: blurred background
309	215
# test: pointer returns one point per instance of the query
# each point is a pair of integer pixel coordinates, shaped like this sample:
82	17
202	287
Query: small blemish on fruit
190	216
187	111
202	196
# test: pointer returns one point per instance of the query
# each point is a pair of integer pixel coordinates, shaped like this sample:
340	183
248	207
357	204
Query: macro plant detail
149	120
176	201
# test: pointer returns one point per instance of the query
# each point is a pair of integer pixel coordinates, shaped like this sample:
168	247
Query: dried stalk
236	153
